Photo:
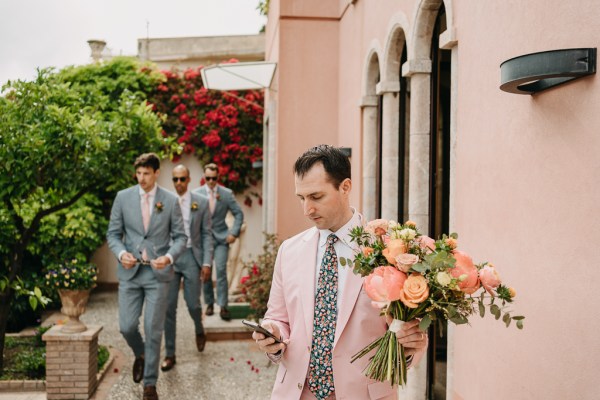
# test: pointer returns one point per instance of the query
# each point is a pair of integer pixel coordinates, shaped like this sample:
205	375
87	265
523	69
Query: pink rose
394	248
489	278
414	291
425	242
464	266
405	261
384	285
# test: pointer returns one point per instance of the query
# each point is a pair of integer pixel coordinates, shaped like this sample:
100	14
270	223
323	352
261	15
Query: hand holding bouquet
409	276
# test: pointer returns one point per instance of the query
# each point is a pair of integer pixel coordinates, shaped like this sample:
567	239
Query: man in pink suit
318	308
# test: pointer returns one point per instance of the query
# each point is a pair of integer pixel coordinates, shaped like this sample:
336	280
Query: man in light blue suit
146	234
198	254
221	200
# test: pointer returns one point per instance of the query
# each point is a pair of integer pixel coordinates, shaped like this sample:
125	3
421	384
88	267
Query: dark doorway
439	189
403	141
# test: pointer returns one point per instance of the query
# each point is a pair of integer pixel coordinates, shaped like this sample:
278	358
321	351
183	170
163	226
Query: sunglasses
180	179
210	178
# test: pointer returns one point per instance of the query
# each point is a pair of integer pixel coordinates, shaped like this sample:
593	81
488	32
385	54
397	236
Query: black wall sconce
532	73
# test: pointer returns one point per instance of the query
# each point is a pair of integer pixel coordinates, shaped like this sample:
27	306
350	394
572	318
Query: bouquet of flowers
72	275
408	276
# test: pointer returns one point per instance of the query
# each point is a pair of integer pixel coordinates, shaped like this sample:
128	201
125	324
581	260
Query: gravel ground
225	370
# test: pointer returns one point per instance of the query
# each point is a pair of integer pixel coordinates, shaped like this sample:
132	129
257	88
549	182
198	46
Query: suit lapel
307	288
351	291
352	288
137	209
157	199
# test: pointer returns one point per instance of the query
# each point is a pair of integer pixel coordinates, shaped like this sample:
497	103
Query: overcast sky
44	33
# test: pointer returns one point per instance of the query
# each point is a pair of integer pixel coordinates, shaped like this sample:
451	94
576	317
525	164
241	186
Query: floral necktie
320	378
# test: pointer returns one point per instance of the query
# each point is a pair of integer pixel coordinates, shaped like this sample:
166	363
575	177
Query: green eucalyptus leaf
425	322
481	309
520	324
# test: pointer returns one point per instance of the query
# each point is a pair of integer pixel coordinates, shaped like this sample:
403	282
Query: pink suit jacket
291	307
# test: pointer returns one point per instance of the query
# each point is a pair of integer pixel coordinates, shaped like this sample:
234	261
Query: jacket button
300	386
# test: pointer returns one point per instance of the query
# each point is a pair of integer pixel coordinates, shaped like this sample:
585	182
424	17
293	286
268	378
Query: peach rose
377	227
394	248
384	285
425	242
451	242
415	291
405	261
489	278
411	223
367	251
464	267
512	292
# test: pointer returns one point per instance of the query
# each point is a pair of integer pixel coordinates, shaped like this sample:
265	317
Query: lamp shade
238	76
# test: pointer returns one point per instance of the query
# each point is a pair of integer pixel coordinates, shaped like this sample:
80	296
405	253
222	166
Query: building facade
411	87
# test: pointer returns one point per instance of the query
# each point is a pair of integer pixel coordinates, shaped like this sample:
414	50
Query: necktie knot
332	239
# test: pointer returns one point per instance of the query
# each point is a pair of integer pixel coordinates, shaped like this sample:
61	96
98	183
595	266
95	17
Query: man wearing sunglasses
197	256
221	201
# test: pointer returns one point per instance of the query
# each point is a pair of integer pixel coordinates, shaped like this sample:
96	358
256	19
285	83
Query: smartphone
257	328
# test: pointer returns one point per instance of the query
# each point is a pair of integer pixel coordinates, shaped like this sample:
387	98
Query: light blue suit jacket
165	232
200	230
225	202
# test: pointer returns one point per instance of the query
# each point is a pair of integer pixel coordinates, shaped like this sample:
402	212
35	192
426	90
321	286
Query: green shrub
103	355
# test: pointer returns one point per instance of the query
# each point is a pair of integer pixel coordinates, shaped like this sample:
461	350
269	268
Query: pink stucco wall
527	197
526	193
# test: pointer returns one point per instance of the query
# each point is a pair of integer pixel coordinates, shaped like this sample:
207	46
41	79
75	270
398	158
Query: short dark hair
212	167
335	162
148	160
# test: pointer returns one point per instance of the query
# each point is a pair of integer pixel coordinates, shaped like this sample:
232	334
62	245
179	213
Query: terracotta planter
73	305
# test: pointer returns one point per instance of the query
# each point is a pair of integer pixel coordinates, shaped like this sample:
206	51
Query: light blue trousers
133	293
186	269
221	252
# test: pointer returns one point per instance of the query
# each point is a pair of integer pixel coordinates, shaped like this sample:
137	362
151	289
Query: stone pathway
227	369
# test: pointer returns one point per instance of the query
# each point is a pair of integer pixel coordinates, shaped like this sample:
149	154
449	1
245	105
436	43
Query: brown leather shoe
168	364
225	314
210	309
150	393
138	369
200	342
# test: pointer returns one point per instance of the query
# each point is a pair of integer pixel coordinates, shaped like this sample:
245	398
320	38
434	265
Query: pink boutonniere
218	196
159	206
194	206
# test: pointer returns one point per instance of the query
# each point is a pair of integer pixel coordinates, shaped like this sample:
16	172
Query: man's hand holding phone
267	337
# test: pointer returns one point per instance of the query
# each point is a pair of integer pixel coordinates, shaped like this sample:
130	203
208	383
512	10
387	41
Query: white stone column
369	156
420	121
418	185
269	171
389	148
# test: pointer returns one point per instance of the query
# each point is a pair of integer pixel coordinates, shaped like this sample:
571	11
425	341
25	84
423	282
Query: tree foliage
62	136
220	127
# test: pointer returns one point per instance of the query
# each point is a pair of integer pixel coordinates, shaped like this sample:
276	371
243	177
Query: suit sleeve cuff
170	257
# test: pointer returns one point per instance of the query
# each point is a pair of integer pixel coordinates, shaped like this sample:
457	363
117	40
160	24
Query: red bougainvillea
220	127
